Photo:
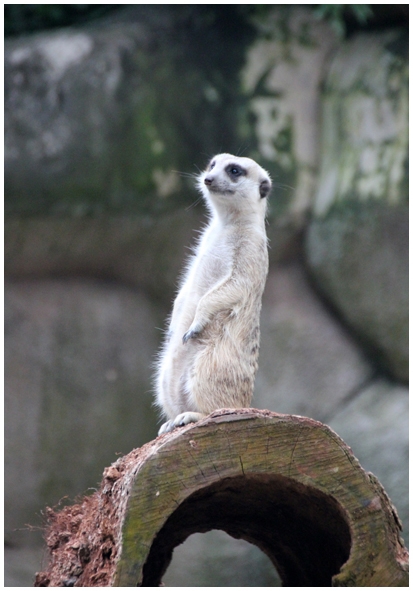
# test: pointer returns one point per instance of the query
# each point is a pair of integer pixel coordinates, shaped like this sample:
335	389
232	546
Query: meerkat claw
191	334
180	421
166	427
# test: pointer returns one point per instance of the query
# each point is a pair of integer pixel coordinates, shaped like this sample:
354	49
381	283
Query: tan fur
210	357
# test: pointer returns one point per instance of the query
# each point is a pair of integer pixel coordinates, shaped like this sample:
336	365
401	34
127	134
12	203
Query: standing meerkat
210	355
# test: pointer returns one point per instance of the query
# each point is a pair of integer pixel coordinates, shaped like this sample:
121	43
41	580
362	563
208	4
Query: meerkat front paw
166	427
180	421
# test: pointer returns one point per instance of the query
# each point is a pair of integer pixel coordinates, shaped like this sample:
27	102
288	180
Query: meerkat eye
235	171
211	166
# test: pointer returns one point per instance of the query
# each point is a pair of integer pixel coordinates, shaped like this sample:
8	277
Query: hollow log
285	483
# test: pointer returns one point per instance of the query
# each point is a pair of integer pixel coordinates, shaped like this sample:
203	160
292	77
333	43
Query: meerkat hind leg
179	421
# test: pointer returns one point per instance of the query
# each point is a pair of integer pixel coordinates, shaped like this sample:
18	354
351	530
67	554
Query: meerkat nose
208	181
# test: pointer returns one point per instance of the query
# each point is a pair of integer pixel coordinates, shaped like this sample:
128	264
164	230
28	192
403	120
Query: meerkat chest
213	262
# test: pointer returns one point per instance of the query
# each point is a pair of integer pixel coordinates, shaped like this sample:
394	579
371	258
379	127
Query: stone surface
141	251
282	75
215	559
308	364
102	118
375	424
364	131
89	128
77	389
357	243
21	564
359	256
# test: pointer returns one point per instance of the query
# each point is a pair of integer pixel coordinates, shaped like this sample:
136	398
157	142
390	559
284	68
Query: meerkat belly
178	360
224	370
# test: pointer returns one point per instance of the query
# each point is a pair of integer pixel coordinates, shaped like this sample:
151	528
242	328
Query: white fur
205	362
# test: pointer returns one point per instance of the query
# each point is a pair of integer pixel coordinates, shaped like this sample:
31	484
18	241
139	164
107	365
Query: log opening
303	531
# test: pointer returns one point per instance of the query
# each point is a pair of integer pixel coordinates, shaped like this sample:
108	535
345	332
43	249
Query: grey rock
357	242
78	366
21	564
364	131
359	258
102	118
215	559
284	69
106	118
142	251
375	424
308	363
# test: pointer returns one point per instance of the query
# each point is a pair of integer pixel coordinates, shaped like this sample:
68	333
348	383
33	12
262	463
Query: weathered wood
286	483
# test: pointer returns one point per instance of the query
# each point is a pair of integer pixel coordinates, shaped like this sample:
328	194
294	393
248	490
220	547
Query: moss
176	103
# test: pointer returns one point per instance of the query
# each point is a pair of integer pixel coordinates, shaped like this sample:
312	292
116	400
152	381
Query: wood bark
285	483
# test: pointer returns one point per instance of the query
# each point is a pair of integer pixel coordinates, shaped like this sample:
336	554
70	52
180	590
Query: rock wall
78	356
357	243
98	120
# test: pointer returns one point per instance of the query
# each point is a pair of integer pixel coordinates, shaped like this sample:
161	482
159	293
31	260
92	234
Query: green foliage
27	18
336	14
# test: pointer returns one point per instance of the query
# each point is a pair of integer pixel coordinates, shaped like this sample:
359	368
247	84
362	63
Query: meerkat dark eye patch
234	170
265	188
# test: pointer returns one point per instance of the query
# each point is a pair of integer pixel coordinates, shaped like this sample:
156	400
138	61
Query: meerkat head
236	184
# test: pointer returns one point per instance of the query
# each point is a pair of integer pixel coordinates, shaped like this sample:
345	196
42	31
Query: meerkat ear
265	188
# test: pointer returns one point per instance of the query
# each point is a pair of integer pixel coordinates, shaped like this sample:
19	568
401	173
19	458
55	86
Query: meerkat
210	355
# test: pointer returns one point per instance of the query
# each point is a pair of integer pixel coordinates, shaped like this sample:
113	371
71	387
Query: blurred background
109	112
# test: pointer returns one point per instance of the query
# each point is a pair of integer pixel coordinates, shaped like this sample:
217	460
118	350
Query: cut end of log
287	484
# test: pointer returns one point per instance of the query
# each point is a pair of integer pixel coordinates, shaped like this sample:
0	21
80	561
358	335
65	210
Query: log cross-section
285	483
